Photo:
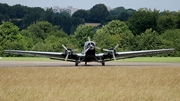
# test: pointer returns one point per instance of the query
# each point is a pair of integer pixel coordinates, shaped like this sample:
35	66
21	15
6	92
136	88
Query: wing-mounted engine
112	52
68	52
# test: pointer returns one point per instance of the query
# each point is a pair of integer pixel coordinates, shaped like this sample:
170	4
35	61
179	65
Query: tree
117	10
167	20
82	33
40	30
120	13
48	15
116	27
143	19
123	16
171	39
20	11
64	13
115	32
105	40
178	20
10	37
34	15
80	14
147	41
98	13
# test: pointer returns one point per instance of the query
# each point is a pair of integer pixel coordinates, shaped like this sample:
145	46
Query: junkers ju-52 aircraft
89	54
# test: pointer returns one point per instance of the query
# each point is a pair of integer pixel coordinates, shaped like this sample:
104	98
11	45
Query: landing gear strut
103	62
76	63
85	63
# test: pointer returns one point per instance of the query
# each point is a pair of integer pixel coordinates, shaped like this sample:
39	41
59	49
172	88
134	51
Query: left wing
111	54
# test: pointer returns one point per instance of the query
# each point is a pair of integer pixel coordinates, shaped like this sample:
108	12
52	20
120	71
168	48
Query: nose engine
91	46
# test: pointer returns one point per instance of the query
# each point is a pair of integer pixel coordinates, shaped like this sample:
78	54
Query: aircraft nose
92	47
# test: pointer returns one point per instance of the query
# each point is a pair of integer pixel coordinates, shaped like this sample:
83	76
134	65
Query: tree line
46	31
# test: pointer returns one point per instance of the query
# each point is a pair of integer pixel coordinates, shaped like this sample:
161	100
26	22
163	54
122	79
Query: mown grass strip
137	59
152	59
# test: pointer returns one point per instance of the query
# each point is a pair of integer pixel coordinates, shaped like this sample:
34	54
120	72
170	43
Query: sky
172	5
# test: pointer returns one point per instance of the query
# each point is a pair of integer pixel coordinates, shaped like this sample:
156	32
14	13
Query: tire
103	63
76	63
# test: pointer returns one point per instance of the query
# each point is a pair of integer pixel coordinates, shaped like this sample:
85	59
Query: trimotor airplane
89	54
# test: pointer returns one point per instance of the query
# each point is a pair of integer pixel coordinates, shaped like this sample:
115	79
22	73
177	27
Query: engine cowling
112	52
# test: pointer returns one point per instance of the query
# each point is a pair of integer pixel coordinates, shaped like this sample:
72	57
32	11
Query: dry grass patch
89	84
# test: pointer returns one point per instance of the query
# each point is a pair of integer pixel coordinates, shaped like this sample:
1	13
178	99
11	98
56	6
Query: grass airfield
137	59
110	83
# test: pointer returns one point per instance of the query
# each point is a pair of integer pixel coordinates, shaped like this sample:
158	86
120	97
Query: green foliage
117	10
98	13
116	27
10	37
172	40
80	14
45	30
20	11
82	33
105	40
115	32
143	19
166	21
148	40
43	36
40	30
178	19
120	13
64	14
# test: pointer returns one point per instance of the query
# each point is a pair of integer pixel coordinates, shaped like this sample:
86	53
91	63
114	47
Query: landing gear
76	63
85	63
103	63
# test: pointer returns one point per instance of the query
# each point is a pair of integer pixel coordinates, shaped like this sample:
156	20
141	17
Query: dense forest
27	28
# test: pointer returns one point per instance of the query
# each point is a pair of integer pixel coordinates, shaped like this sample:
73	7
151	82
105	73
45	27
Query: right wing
52	55
36	53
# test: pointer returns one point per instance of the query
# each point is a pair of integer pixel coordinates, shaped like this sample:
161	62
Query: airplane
89	54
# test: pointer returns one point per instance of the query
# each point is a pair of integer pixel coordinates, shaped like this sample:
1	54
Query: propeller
112	51
68	52
90	45
86	49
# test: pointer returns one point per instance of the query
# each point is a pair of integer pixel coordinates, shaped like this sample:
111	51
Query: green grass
137	59
153	59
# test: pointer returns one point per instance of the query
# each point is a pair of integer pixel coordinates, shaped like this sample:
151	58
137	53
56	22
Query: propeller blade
66	57
114	55
86	49
97	48
116	46
106	50
64	47
75	50
89	39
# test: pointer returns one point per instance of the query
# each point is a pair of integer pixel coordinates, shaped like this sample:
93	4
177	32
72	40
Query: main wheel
85	63
76	63
103	63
